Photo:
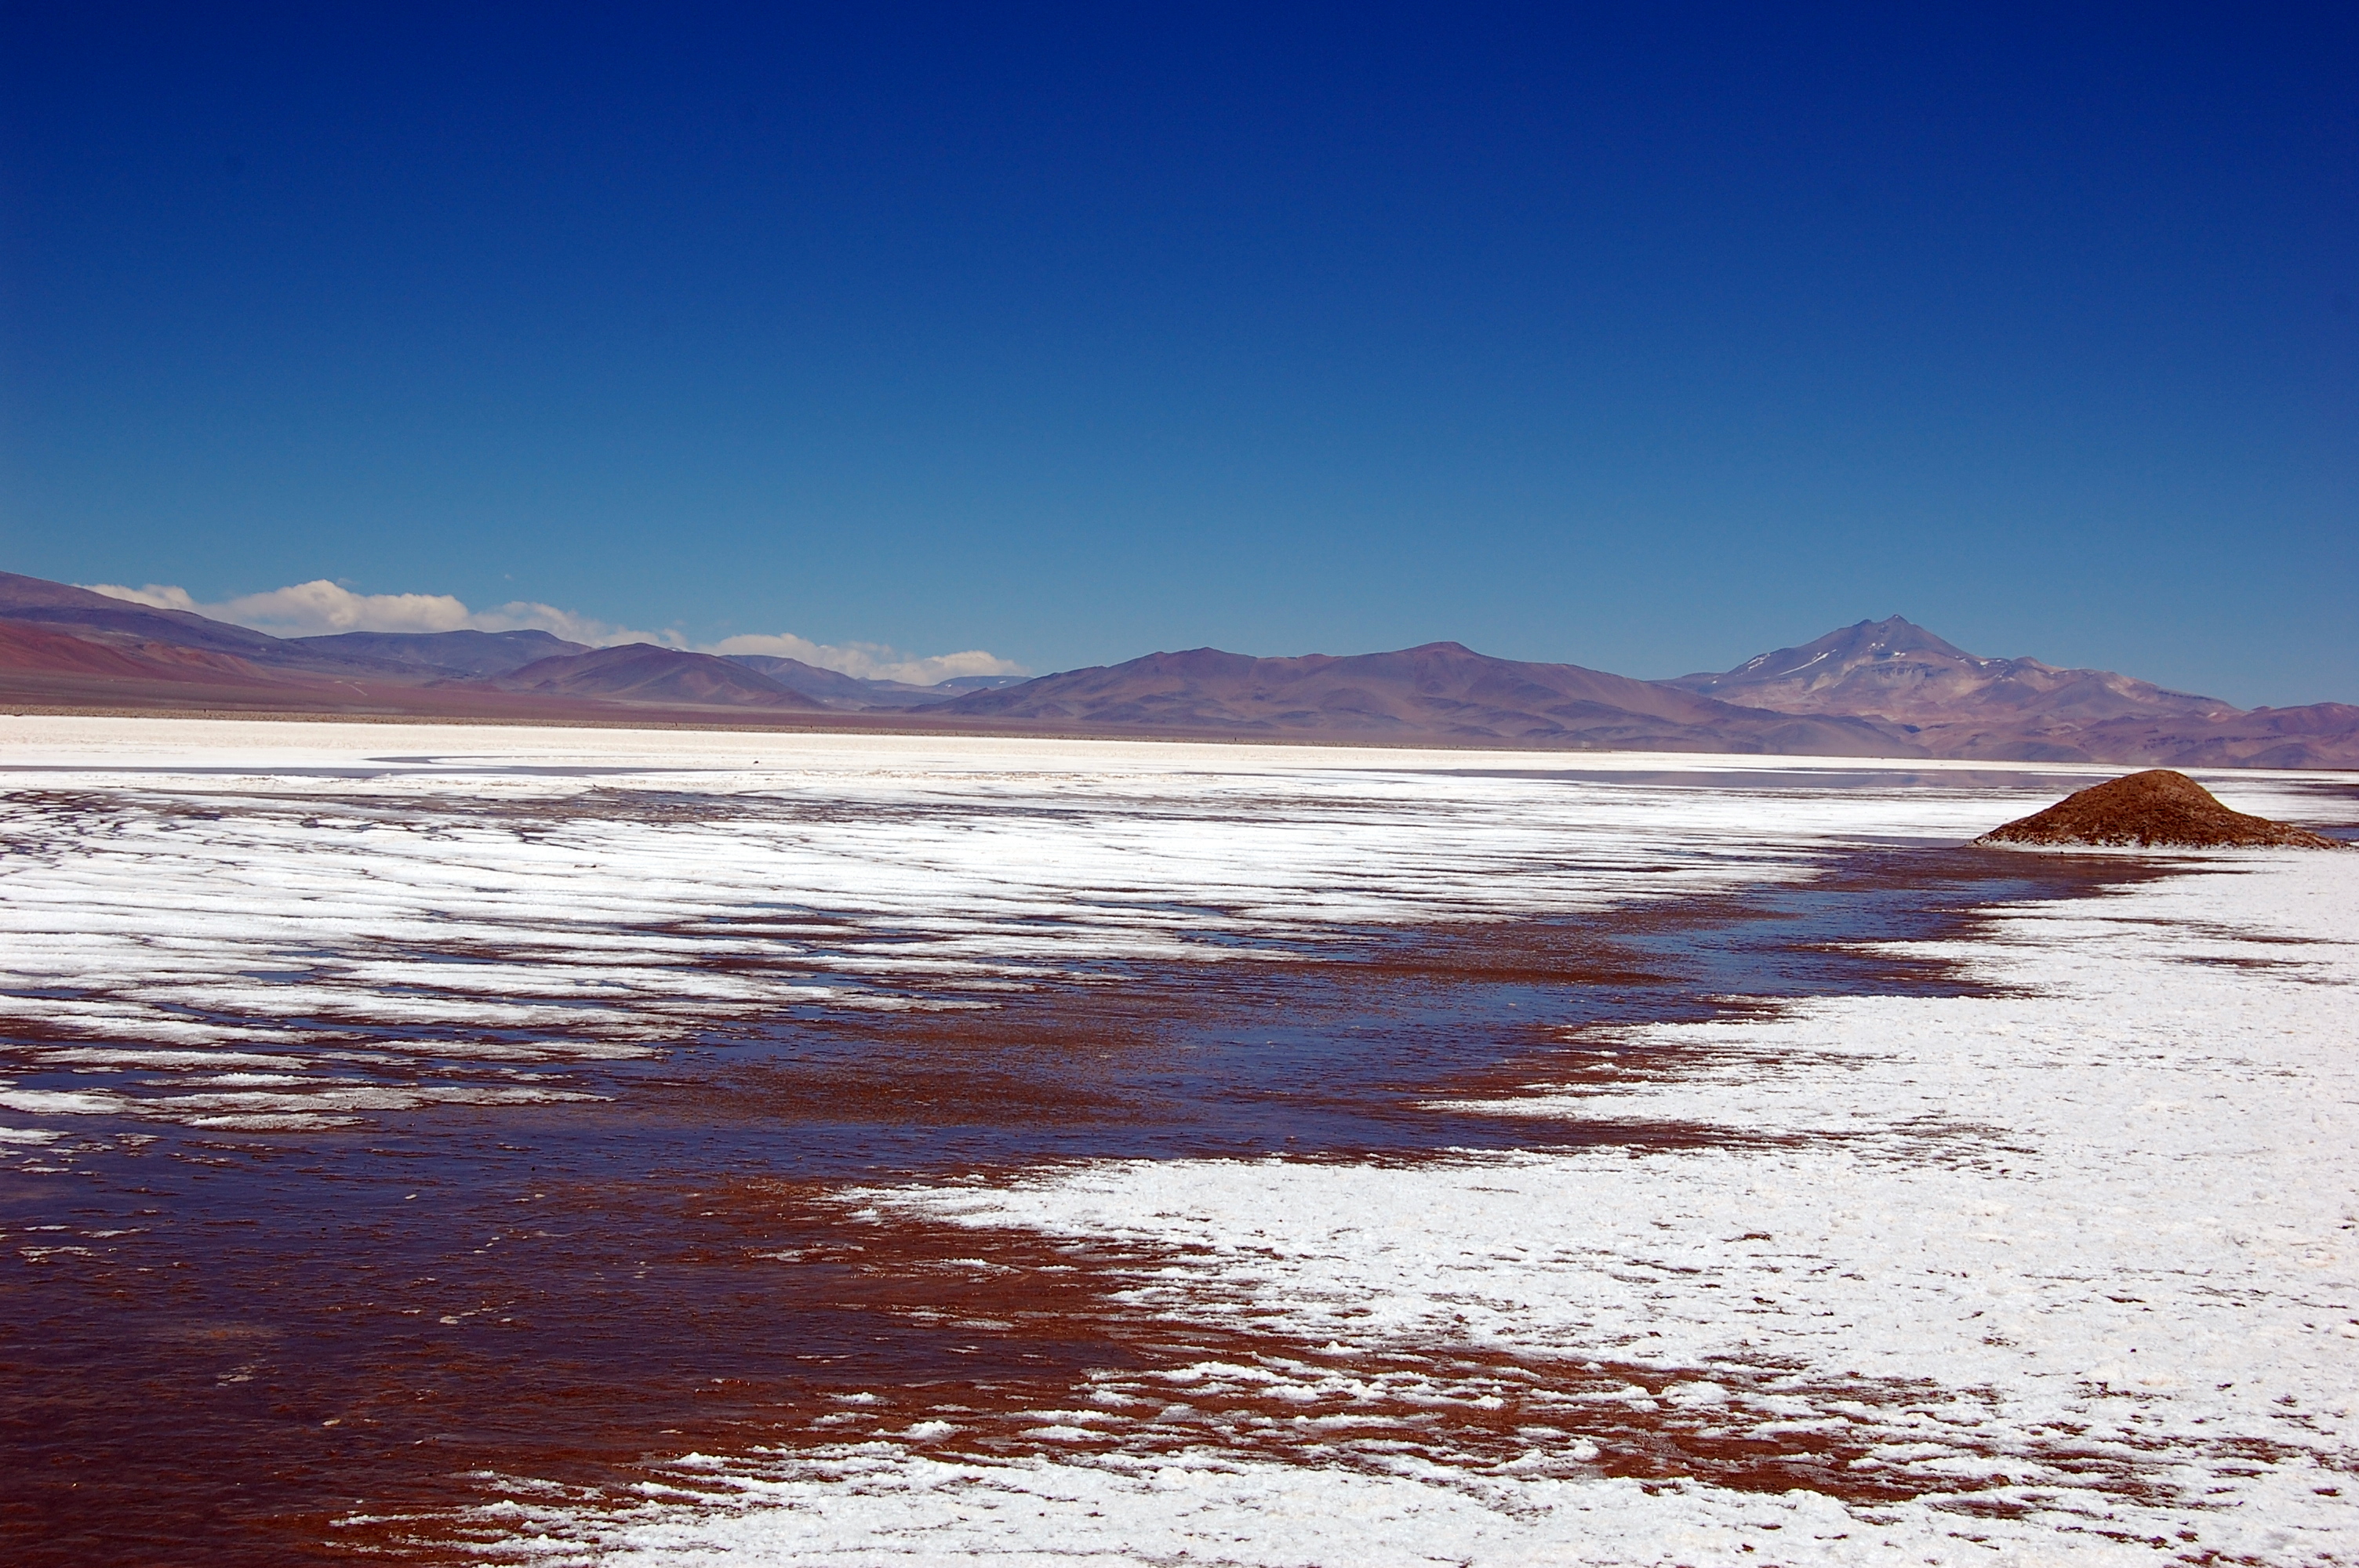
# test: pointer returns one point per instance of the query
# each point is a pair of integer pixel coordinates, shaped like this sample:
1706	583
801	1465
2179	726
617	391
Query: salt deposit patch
2066	1268
871	1507
2084	1252
280	895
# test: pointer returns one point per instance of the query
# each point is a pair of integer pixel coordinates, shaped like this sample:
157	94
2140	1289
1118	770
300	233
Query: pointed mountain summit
1951	703
1838	652
1896	670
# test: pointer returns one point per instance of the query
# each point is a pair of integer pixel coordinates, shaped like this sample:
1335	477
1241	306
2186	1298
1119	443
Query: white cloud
871	661
525	615
321	607
155	596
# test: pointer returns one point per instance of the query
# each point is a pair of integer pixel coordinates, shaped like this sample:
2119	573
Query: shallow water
387	1134
227	1341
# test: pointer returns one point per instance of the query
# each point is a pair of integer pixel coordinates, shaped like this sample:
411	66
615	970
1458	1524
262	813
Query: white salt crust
2110	1210
177	895
882	1510
2112	1213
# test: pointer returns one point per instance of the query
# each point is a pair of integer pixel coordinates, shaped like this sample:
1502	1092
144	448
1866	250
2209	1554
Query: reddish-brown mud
2155	809
307	1346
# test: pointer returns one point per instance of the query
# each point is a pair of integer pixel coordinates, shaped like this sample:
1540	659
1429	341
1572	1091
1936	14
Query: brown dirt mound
2156	808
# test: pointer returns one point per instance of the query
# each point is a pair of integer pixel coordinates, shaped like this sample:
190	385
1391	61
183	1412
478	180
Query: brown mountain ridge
1951	703
1439	691
1877	689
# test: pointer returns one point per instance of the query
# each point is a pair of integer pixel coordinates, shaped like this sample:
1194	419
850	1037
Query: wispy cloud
321	607
871	661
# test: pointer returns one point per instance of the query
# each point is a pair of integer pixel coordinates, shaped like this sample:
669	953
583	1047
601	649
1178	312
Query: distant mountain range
1951	703
854	692
456	654
1879	689
1440	691
67	646
1894	671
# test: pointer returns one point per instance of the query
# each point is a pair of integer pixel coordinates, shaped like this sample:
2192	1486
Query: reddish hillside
2321	735
74	612
31	649
62	646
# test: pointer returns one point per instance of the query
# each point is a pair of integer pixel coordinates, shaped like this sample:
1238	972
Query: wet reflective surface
282	1345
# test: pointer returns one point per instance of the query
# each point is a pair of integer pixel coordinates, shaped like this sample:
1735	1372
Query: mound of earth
2158	807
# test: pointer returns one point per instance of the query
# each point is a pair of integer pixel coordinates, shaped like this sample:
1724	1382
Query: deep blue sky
1645	338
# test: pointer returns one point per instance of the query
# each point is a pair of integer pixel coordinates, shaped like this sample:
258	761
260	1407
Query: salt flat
2105	1221
199	898
2065	1261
